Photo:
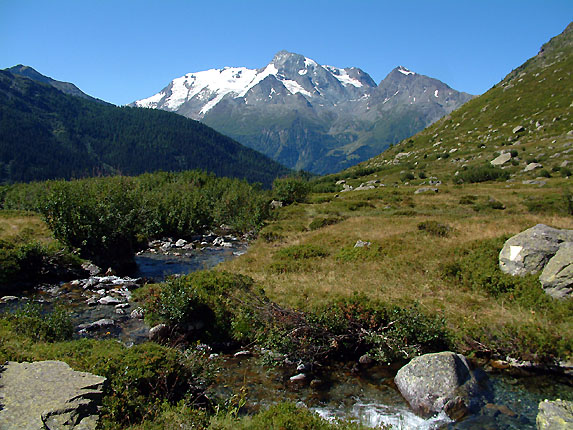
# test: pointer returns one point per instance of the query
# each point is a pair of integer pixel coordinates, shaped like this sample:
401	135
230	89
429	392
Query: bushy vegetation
108	219
31	321
296	257
481	174
291	190
434	228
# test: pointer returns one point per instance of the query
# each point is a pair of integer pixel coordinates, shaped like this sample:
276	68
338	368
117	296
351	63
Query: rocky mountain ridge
306	115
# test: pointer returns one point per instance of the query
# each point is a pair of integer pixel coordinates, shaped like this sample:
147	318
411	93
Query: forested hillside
46	134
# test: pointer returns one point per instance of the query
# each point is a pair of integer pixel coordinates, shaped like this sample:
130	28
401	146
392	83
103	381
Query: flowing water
366	395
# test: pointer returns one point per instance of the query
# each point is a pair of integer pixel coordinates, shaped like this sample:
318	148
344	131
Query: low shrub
481	174
31	321
291	190
434	228
296	258
364	253
468	199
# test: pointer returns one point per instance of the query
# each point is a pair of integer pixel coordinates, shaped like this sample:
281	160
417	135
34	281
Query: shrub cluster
435	228
291	190
481	174
108	219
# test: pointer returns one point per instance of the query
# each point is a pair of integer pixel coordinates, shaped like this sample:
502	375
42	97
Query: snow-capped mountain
306	115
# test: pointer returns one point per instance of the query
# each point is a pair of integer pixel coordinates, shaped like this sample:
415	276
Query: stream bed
346	391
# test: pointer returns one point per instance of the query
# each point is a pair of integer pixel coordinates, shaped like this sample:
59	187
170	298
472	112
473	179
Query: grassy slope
410	265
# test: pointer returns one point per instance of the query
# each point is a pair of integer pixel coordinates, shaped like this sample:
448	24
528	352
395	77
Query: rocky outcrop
529	251
557	276
555	415
441	381
541	248
48	395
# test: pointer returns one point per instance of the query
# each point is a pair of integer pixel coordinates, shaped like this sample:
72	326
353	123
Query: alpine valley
308	116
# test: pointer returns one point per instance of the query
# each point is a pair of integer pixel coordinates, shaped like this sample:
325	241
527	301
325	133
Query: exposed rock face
557	276
529	251
435	382
501	159
555	415
48	395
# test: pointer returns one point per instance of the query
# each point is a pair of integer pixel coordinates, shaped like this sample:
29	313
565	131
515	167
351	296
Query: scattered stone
242	354
91	268
529	251
500	160
440	381
180	243
7	299
159	333
275	204
534	182
110	272
565	164
48	395
557	276
518	129
554	415
137	313
426	190
366	360
301	377
532	166
362	244
303	367
341	182
109	300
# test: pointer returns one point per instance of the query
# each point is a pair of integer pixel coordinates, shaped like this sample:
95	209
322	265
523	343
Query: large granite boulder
555	415
557	276
440	381
529	251
48	395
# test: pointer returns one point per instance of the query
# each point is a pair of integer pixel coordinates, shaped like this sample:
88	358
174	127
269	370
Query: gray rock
518	129
532	166
502	159
275	204
242	354
159	333
529	251
97	325
180	243
557	276
533	182
301	377
137	313
7	299
91	268
48	395
109	300
555	415
362	244
435	382
426	190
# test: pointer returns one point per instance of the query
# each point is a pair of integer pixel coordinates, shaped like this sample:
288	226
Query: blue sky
123	50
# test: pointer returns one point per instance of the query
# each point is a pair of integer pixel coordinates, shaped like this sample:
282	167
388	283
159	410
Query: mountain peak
404	70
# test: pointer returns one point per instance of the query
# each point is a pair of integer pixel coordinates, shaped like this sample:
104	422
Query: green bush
468	199
481	174
295	258
290	190
52	326
406	176
435	228
364	253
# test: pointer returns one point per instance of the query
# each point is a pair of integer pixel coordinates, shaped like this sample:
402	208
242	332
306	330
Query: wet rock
91	268
137	313
435	382
366	360
180	243
7	299
159	333
557	276
97	325
48	395
109	300
555	415
299	378
242	354
529	251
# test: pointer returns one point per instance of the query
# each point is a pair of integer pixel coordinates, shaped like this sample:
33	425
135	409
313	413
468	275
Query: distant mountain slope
65	87
46	134
309	116
528	115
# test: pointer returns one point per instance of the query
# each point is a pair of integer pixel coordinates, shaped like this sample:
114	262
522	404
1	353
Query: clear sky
124	50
